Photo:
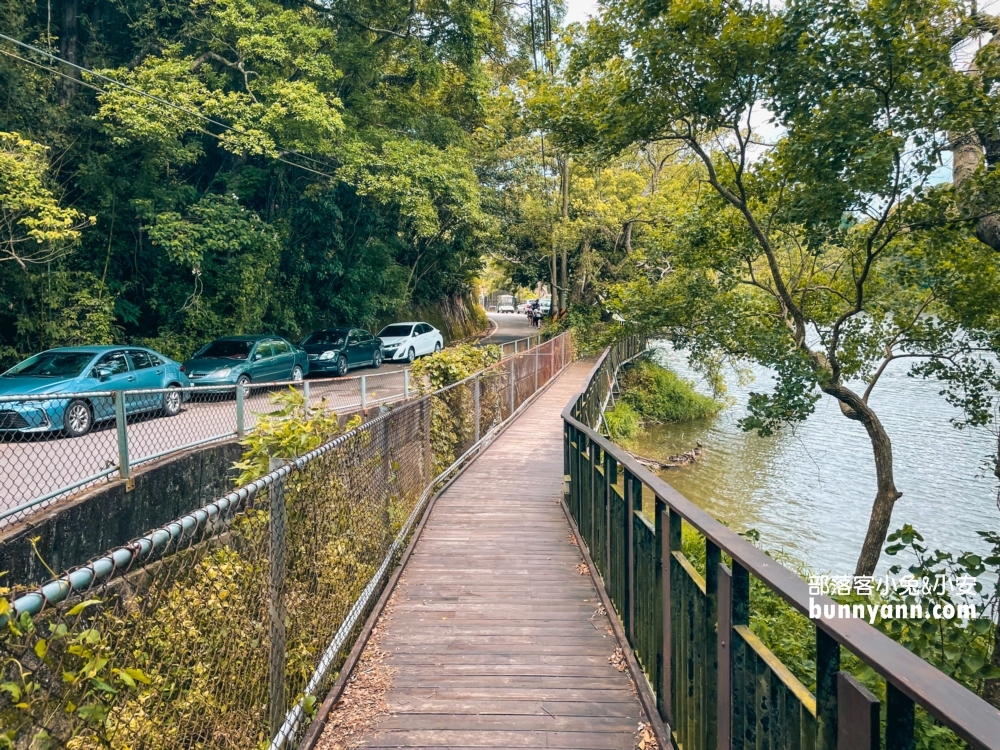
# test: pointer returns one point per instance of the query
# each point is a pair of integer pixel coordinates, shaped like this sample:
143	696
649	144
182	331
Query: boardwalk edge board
662	732
318	724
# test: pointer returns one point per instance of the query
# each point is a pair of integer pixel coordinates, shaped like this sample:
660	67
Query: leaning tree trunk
886	494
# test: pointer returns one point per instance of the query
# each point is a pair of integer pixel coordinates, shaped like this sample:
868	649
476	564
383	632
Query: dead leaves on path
582	569
645	739
617	660
363	701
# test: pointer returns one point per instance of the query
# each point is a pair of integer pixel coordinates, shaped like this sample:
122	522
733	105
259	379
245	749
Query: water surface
809	490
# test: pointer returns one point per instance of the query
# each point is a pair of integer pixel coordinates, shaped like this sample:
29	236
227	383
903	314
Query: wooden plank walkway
496	637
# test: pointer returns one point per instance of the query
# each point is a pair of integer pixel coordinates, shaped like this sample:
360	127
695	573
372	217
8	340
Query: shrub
453	364
659	395
623	422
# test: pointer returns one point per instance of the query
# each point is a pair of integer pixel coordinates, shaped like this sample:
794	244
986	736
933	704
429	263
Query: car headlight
223	373
327	356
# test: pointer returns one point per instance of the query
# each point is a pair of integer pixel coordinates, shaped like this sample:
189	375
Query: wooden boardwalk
496	637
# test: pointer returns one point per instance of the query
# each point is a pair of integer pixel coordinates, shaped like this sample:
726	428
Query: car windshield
395	331
51	365
324	338
224	349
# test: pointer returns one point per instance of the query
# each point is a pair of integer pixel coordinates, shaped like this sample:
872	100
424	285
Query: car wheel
243	381
377	360
437	347
410	356
342	366
172	402
296	373
77	419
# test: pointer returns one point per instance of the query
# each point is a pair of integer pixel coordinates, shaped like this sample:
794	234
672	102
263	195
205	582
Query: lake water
809	491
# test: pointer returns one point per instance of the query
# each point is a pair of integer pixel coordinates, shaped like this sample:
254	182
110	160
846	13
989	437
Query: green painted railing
718	686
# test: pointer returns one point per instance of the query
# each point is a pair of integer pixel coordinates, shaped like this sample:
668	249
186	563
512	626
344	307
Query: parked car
82	370
337	350
505	304
245	360
407	341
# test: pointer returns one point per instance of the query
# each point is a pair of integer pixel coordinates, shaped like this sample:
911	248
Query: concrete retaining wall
76	529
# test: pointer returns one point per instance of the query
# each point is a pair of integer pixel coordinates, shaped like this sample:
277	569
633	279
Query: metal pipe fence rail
717	685
222	628
41	464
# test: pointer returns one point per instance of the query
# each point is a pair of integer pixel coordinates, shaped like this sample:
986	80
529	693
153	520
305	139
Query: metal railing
41	464
717	685
223	628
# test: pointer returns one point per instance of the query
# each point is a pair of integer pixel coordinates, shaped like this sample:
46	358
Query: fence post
124	469
515	346
512	386
536	366
241	395
364	394
476	405
406	384
276	601
305	396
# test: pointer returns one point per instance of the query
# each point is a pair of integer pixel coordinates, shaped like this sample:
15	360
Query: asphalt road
34	465
510	327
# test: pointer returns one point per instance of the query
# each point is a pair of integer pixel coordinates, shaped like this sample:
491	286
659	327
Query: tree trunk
886	494
69	34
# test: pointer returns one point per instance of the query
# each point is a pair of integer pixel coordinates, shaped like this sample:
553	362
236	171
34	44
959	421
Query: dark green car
337	350
245	360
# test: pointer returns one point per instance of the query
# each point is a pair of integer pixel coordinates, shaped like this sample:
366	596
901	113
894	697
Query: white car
404	342
506	307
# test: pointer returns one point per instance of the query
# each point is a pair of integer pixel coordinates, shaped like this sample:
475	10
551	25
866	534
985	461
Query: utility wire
140	92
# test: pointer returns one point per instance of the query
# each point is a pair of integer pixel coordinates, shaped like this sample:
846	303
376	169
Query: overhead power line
153	97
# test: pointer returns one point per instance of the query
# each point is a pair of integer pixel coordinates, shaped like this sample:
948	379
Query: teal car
244	360
50	392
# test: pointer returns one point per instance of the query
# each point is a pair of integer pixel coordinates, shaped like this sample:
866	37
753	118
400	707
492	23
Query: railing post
121	426
476	408
593	455
364	394
661	554
633	502
406	384
899	719
276	601
512	384
241	395
739	614
515	346
305	396
827	667
713	556
536	368
610	480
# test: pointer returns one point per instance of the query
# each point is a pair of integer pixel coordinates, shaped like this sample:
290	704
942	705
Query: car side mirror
257	357
102	373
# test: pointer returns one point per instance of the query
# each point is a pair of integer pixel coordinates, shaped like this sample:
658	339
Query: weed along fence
716	684
223	628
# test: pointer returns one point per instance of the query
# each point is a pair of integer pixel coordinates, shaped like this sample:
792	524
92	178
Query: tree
34	228
797	257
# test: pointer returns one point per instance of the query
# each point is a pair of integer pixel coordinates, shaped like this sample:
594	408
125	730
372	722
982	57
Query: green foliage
289	431
658	395
452	365
623	422
35	227
207	226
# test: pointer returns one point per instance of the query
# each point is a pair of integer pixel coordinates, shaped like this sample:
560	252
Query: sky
580	10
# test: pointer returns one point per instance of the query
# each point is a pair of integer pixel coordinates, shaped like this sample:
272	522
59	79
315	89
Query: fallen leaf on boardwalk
582	569
617	660
363	702
572	540
645	739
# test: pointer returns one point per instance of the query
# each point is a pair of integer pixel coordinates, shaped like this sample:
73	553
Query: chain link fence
42	462
223	628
